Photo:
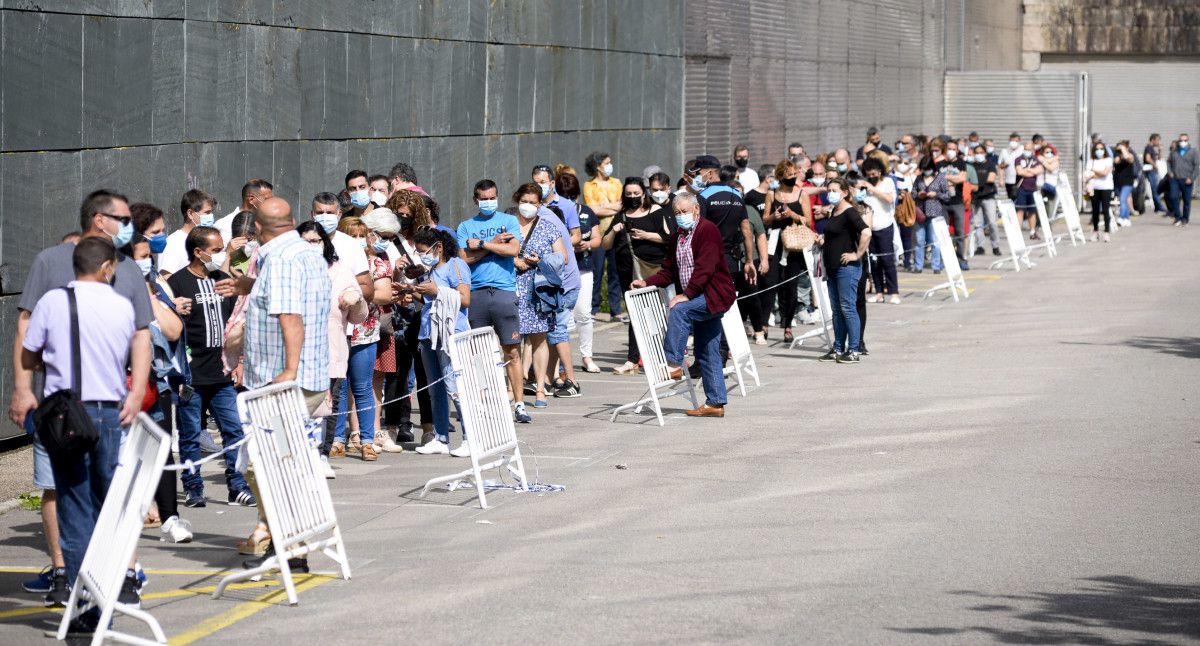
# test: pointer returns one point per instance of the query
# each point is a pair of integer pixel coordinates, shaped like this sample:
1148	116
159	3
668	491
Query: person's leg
222	402
990	222
187	419
342	401
906	245
597	276
918	247
788	291
451	384
706	333
1096	210
560	339
847	284
1186	191
632	352
1152	179
887	260
335	394
958	211
398	385
1105	205
582	315
875	248
43	478
418	370
860	304
833	282
540	357
935	256
1125	196
615	283
359	372
437	392
679	327
512	354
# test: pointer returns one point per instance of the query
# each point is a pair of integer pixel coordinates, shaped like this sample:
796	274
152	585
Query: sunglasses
123	219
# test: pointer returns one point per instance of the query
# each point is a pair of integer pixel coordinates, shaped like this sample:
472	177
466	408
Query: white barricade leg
114	539
1048	238
1070	207
293	493
1019	253
648	316
820	291
955	281
487	418
742	358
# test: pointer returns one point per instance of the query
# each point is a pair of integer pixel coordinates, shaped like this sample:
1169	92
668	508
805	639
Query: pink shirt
339	347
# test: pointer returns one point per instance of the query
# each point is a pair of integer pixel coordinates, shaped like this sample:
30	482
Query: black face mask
406	223
789	182
742	162
873	180
632	203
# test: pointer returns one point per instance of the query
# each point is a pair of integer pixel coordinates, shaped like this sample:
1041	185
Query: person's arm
610	236
748	267
761	241
381	291
168	321
991	178
292	326
139	363
23	400
943	188
1102	169
885	190
366	285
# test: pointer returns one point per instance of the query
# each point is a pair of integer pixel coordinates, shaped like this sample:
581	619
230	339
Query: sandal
627	368
590	366
337	450
787	336
252	546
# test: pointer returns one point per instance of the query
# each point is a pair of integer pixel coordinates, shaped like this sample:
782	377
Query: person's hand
863	184
868	147
427	288
232	287
402	262
820	241
22	403
520	264
286	375
473	243
237	374
763	266
502	238
349	298
677	299
405	299
618	227
132	405
750	273
1187	181
532	258
637	284
848	258
581	246
183	305
236	243
638	234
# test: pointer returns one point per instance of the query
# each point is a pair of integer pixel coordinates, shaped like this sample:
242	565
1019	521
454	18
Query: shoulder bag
63	425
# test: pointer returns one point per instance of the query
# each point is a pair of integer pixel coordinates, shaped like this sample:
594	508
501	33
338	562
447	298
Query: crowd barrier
293	492
486	411
1019	253
648	316
1048	242
954	275
741	359
114	540
1070	209
820	295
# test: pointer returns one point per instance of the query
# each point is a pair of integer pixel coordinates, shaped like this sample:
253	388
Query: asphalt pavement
1018	467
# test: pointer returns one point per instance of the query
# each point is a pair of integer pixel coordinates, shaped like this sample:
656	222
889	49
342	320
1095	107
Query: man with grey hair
650	171
349	252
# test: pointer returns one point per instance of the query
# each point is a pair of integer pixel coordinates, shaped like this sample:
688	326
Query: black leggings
1100	202
786	291
395	385
883	262
166	495
751	308
625	275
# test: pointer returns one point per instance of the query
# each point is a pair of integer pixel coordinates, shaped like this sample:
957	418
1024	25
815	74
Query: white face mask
952	154
527	210
1013	145
608	169
818	180
379	198
659	197
214	263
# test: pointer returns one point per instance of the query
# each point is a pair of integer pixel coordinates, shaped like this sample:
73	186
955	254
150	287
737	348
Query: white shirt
749	180
1009	156
1101	183
883	212
174	257
350	253
225	225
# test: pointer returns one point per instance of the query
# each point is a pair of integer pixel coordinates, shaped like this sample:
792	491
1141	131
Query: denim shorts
564	320
43	476
1024	200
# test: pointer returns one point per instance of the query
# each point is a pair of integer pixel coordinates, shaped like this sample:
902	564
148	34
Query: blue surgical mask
773	185
698	183
861	194
980	158
328	221
158	243
488	207
685	222
833	198
1099	153
207	219
428	260
146	265
842	168
545	191
380	245
360	199
123	236
990	149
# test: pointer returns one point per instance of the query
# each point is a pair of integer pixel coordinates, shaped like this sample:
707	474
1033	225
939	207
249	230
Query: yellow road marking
36	570
242	611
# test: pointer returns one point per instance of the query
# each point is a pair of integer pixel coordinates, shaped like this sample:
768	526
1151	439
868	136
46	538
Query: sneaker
43	582
463	451
569	389
81	627
195	499
58	594
995	251
243	498
541	403
1178	223
828	356
760	338
964	266
979	250
805	317
621	318
1096	234
1107	238
176	530
590	366
862	349
530	389
895	299
847	357
299	565
130	594
937	271
520	415
404	434
434	447
327	468
207	444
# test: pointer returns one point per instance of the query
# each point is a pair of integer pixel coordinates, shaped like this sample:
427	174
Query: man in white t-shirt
349	250
196	207
1008	158
747	176
879	191
254	193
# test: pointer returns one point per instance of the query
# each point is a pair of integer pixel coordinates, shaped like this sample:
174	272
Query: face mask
685	221
527	210
842	168
833	198
929	173
660	197
146	265
206	220
699	184
1013	145
742	162
378	198
215	261
899	146
429	261
773	184
952	155
861	195
488	207
545	190
631	203
1049	154
1099	153
328	221
874	180
788	182
1027	153
990	149
818	180
360	199
607	169
251	247
380	245
1183	145
903	168
980	158
158	243
406	223
123	236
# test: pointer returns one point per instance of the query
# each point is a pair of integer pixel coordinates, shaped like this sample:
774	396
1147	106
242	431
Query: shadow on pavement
1167	612
1186	347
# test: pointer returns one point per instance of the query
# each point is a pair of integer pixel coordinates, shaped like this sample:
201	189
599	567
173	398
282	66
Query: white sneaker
1095	236
433	447
805	317
327	468
463	451
176	530
1106	237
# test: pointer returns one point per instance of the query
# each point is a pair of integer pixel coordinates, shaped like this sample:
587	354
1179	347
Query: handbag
797	237
63	426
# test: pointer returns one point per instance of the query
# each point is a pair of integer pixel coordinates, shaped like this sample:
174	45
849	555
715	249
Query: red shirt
710	275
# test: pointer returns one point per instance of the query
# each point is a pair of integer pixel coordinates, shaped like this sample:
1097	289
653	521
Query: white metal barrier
114	539
1016	241
293	492
487	413
1048	241
820	293
1066	197
648	316
955	281
742	359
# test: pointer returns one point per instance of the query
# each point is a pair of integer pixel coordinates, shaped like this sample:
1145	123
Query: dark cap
707	161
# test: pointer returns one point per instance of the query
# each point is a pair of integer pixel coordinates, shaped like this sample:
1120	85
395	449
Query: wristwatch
479	245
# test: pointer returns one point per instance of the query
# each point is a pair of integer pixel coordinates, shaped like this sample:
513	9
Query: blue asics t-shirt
491	270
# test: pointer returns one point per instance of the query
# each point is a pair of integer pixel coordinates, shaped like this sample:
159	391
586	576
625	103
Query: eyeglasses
542	168
123	219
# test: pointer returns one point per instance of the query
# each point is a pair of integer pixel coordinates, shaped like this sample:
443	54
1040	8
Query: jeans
582	314
956	217
1125	193
843	290
1152	178
906	243
437	366
983	214
925	236
562	320
692	317
359	371
221	402
1181	192
82	483
883	261
608	258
